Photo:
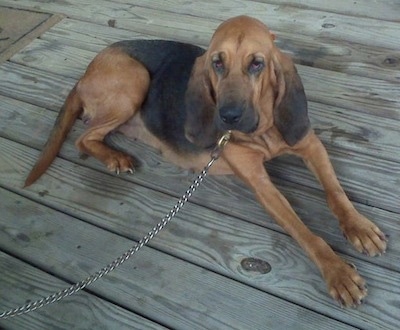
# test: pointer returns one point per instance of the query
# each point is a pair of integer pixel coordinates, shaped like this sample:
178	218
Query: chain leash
29	307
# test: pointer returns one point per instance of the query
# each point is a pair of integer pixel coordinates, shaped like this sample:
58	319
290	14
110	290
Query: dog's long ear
200	106
290	109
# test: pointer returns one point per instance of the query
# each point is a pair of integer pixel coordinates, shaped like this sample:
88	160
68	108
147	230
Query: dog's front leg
365	236
344	283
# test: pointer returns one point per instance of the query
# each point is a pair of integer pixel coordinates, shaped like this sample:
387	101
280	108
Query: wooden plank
212	241
291	287
353	169
357	131
157	285
360	175
36	88
383	10
346	57
26	124
94	37
341	56
344	130
384	192
86	178
285	18
187	13
317	52
20	281
55	57
365	95
58	201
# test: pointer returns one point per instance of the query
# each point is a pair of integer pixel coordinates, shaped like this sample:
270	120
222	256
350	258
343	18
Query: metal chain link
29	307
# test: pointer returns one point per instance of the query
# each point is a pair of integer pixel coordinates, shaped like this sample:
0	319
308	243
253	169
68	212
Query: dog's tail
68	114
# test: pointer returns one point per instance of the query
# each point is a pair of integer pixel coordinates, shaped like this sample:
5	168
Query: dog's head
244	83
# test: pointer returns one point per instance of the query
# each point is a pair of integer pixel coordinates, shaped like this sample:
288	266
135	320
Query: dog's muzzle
230	115
236	117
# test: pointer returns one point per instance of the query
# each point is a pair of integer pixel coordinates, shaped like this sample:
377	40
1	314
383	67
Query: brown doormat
19	27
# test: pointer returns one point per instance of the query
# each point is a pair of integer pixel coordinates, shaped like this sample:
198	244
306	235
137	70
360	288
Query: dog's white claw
352	265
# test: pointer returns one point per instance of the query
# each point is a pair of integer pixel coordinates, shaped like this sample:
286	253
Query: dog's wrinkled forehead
241	31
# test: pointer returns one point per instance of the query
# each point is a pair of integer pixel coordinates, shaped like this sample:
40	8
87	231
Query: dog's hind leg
91	142
112	91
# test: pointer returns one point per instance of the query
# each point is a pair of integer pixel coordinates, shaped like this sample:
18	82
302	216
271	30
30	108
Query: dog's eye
256	66
218	65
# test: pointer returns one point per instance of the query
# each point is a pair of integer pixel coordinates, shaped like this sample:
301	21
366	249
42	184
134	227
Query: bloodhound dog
180	98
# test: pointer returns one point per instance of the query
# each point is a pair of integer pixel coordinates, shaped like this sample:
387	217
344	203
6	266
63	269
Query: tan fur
135	129
113	72
65	119
237	41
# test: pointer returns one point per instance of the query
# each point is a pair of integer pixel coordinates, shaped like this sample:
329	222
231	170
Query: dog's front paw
119	162
365	236
345	285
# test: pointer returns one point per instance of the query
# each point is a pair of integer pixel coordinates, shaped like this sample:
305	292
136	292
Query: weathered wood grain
20	282
55	57
192	276
362	94
384	192
25	124
337	124
94	37
338	129
342	56
214	241
157	285
370	96
335	56
285	18
35	87
180	14
383	10
350	130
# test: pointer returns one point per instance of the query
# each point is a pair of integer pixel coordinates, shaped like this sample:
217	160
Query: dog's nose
230	114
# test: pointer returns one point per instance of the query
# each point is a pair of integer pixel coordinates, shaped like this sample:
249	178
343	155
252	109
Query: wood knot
391	61
255	265
328	25
111	23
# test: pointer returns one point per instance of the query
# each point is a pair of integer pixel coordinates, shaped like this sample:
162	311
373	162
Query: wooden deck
78	217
